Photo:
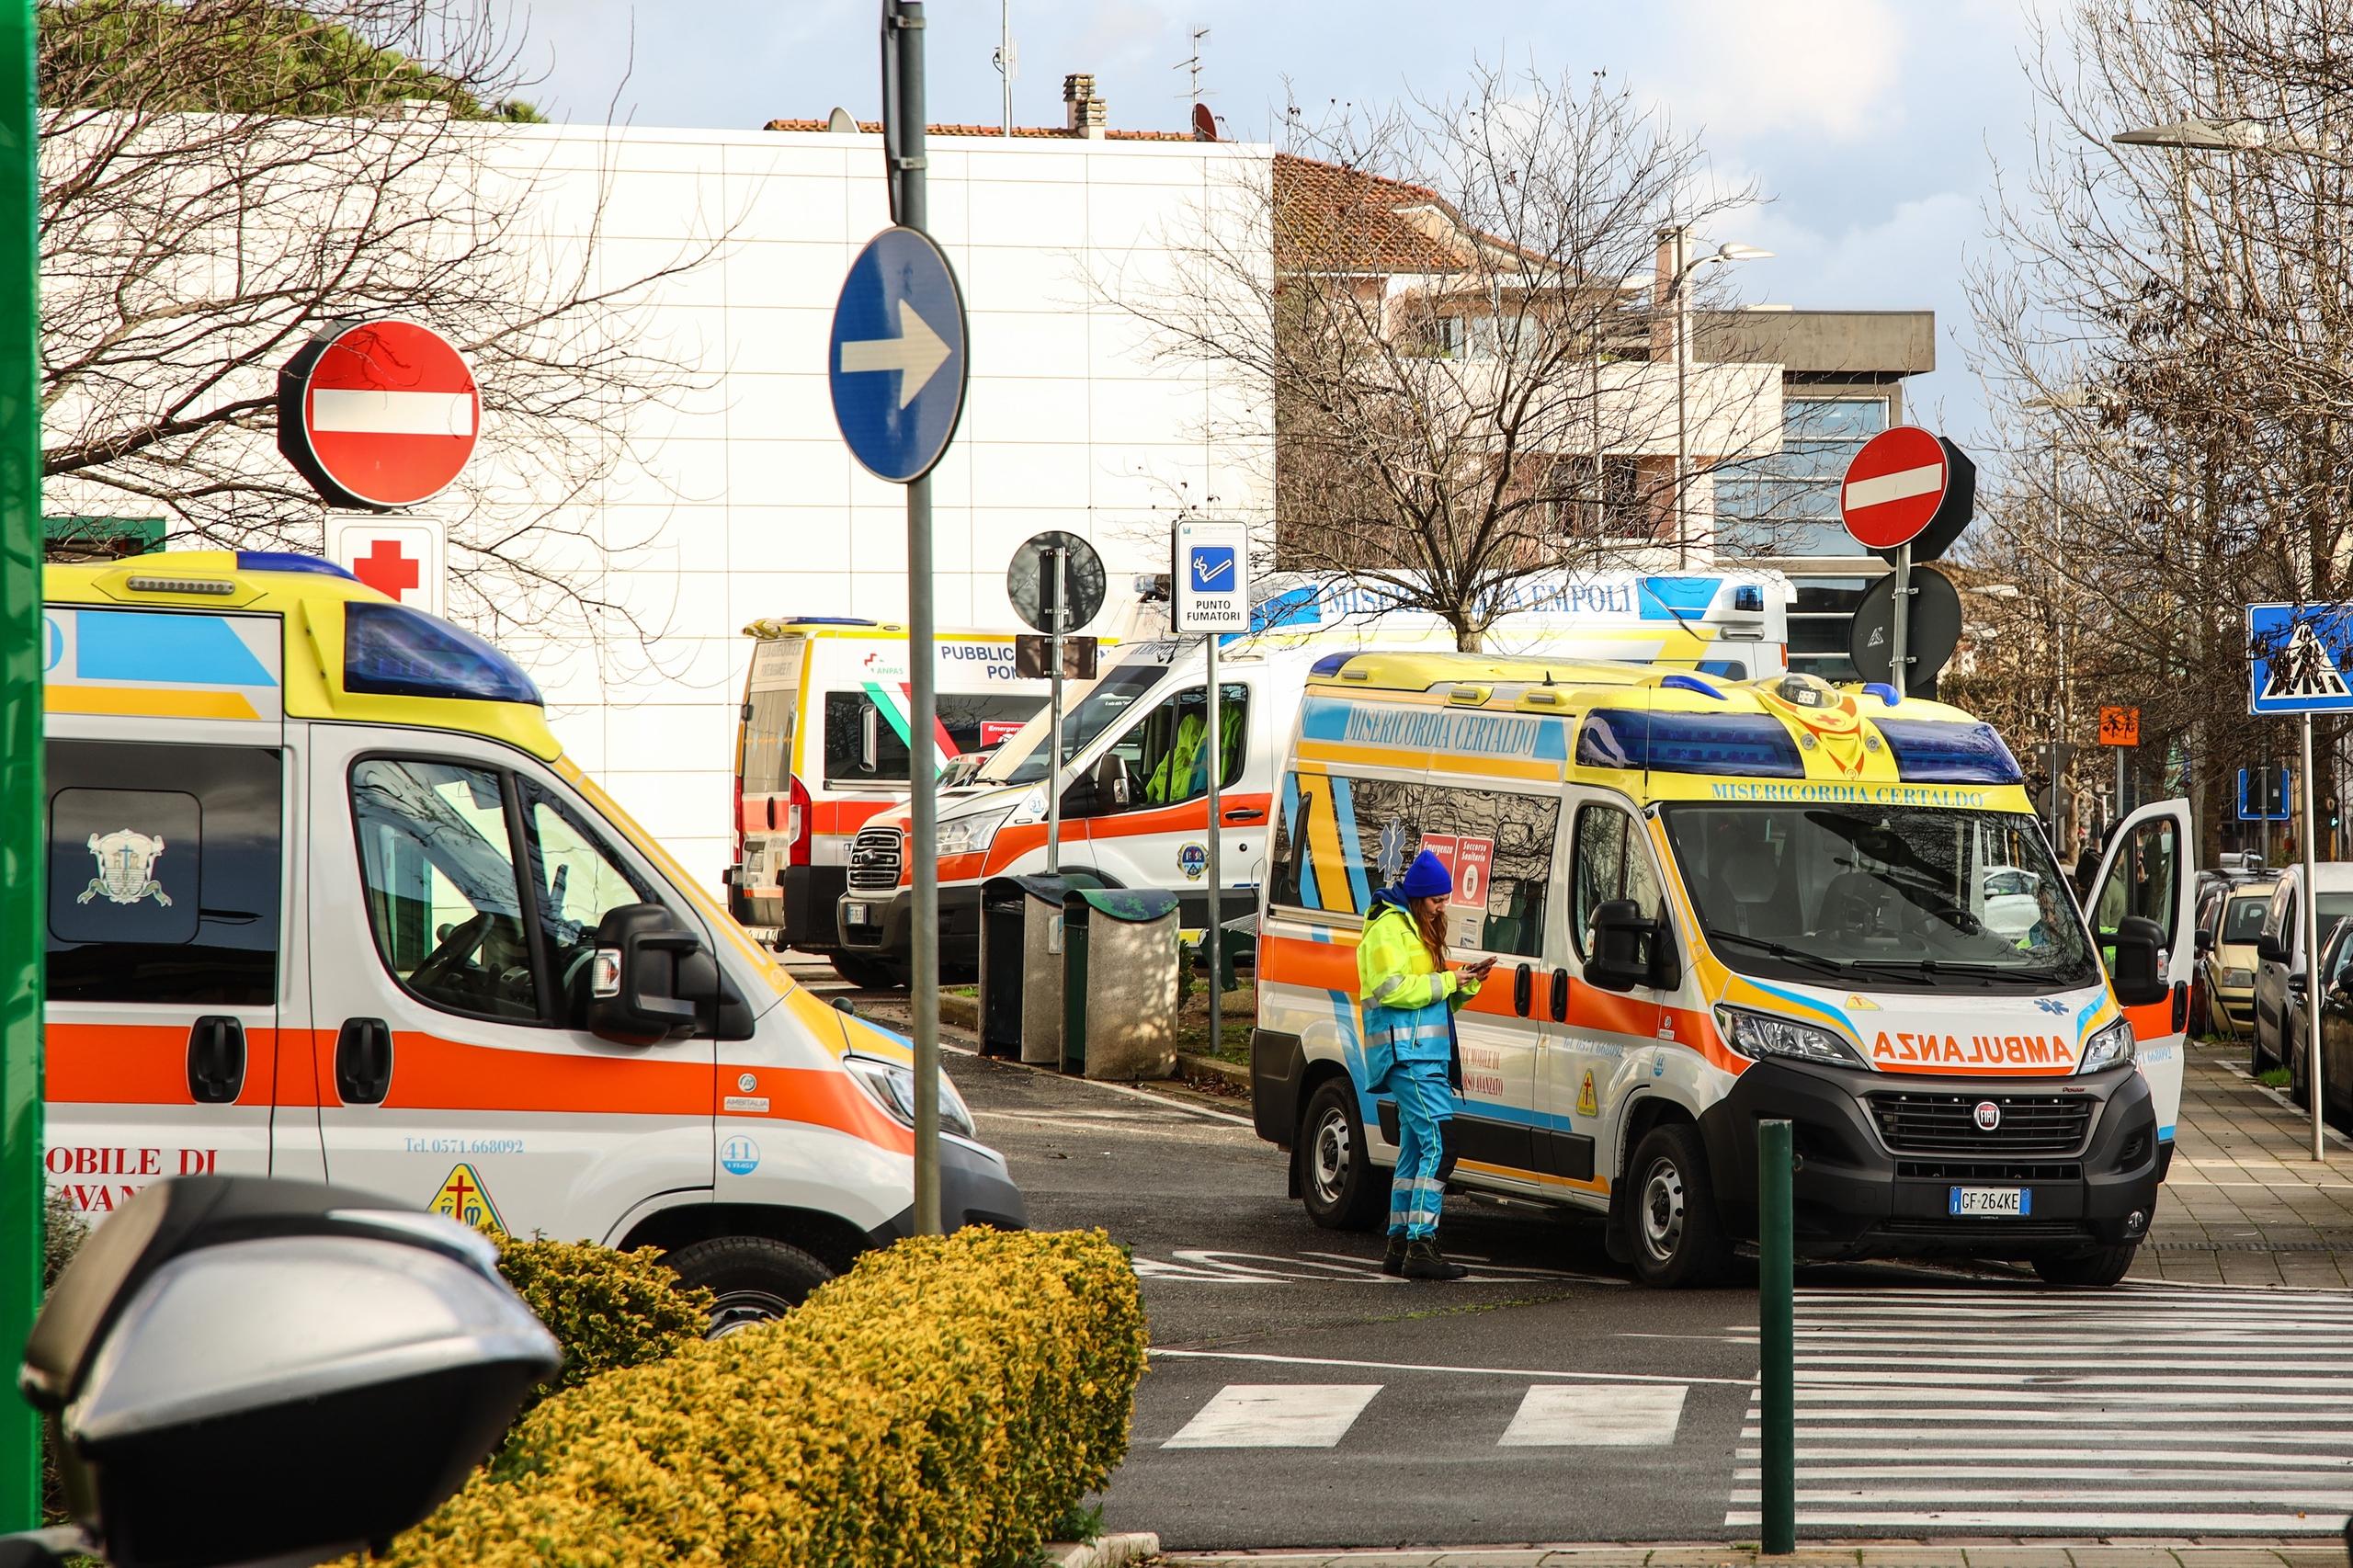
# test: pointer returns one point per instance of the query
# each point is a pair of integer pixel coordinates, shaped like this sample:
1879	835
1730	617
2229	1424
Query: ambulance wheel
751	1279
1672	1231
2094	1270
870	975
1338	1180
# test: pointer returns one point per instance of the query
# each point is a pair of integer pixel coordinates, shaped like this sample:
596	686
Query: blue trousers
1425	1105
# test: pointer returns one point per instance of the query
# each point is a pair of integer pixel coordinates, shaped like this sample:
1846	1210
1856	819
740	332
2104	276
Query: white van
326	900
822	748
1135	775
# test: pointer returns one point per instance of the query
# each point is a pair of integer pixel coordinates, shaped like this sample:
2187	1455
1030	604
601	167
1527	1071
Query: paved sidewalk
2244	1204
2120	1553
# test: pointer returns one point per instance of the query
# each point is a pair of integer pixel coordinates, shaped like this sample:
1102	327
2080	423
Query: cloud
1748	68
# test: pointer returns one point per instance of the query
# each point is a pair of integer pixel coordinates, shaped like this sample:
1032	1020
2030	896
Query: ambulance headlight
1760	1035
969	836
2108	1047
892	1087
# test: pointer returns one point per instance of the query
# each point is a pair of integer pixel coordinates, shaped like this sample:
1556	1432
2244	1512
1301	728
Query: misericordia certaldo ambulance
1714	903
326	900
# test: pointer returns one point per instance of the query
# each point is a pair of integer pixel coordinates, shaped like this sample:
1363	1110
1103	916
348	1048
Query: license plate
2008	1202
853	914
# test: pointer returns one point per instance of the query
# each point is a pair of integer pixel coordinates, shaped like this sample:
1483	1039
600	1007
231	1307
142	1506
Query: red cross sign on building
377	413
399	557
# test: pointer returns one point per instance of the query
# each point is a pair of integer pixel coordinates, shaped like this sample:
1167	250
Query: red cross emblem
388	568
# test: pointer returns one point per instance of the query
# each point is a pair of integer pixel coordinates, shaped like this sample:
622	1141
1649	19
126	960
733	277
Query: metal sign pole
2312	951
21	645
1899	660
1058	564
907	17
1216	744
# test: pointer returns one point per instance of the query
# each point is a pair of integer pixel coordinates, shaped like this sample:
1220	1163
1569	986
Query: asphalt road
1298	1398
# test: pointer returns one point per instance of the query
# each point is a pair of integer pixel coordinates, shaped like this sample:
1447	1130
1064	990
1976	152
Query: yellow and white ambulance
822	748
1714	901
326	900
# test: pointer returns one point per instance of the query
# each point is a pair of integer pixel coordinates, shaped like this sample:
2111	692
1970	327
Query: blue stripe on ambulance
1343	817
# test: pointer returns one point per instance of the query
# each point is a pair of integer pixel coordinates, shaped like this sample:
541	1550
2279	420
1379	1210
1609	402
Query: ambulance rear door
2147	872
175	983
459	886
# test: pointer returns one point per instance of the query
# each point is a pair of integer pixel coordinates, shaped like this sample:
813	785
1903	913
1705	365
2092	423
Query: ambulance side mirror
2137	970
240	1370
1619	937
647	977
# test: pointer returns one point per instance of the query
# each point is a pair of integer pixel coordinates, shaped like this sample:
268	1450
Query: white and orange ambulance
822	748
324	898
1135	750
1714	901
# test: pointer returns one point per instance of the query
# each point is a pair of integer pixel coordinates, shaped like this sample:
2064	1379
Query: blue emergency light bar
390	649
289	561
1750	745
1927	751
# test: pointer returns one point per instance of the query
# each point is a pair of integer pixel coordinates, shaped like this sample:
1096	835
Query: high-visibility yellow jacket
1409	1001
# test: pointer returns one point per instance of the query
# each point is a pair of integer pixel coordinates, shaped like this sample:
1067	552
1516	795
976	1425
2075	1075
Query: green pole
1777	1337
22	1183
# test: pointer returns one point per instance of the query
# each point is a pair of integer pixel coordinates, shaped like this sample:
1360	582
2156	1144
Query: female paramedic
1410	1000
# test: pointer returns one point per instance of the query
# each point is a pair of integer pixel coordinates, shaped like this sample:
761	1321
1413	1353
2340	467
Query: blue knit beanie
1426	878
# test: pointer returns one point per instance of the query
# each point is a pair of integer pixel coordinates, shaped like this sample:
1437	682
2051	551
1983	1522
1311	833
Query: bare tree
1458	312
221	178
2168	324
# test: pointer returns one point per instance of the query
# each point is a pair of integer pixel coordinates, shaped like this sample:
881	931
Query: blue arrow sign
897	361
2298	658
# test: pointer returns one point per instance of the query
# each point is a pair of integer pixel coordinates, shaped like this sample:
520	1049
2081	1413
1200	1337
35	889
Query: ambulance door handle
216	1060
2181	1005
1560	995
1523	989
363	1061
1244	813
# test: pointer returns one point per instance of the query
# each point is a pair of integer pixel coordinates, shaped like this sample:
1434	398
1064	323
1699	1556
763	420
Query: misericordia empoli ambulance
1715	902
326	899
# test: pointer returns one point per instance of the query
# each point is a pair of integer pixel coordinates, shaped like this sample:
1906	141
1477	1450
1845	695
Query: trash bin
1119	959
1021	964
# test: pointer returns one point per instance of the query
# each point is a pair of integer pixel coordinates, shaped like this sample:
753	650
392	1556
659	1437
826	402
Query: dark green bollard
1777	1337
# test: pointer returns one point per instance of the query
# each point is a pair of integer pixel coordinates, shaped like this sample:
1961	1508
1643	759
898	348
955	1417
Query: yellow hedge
607	1308
944	1403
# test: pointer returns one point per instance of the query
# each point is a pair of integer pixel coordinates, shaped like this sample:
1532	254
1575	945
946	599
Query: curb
2025	1552
1103	1551
1233	1072
963	1012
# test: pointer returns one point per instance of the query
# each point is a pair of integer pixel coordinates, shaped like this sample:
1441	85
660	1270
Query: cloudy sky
1873	126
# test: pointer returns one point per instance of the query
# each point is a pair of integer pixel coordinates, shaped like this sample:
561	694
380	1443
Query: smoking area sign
1211	574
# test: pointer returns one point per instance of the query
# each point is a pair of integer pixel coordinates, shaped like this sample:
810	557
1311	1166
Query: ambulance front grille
1947	1124
874	859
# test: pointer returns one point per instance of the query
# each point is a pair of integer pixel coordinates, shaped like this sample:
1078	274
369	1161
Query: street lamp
1677	236
2214	136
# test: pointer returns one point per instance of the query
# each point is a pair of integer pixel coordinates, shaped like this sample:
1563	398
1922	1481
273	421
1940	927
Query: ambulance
1134	772
1713	902
822	746
325	899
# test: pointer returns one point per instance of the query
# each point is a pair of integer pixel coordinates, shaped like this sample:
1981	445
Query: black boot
1424	1261
1394	1261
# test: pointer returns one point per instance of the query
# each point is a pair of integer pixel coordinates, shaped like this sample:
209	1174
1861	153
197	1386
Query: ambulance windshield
1022	760
1887	897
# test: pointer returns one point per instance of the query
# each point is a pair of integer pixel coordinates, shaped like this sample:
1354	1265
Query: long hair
1433	931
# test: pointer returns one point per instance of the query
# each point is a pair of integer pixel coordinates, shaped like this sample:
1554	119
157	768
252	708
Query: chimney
1087	112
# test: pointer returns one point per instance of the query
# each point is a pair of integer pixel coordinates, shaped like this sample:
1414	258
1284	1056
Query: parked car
2335	1034
2279	949
2011	908
2230	919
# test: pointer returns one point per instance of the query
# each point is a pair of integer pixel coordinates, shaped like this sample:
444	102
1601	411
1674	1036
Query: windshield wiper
1814	962
1936	968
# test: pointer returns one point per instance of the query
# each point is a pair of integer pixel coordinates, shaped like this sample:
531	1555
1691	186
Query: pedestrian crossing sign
1587	1104
2298	656
463	1198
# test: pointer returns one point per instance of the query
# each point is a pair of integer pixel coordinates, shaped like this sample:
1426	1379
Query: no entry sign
1894	487
379	413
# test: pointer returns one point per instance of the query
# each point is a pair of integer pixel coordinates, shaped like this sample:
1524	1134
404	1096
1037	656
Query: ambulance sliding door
176	995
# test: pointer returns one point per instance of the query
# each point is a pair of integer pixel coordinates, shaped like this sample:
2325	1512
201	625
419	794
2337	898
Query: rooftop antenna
1006	60
1193	63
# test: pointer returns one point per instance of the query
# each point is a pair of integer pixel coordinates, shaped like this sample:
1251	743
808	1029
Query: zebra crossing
1319	1415
2170	1410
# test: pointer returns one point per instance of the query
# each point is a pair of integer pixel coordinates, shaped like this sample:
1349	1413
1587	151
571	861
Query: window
1022	760
1499	846
2242	920
575	883
443	900
1166	758
1785	502
1339	840
164	872
1611	863
2141	881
